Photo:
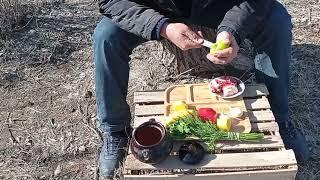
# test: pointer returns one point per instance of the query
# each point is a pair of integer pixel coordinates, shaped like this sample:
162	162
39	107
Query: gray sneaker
112	152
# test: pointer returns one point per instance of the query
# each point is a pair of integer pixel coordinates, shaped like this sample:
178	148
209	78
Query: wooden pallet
234	161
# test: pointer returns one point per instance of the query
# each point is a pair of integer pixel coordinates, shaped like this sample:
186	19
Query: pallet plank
265	127
269	142
261	116
252	90
148	96
281	174
229	161
257	104
158	109
146	110
255	127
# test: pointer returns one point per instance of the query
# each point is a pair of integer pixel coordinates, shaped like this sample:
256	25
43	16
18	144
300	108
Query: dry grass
10	14
13	13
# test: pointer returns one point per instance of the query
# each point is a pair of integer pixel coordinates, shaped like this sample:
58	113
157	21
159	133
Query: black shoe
113	152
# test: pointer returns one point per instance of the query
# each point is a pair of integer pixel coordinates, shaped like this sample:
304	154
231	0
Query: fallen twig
24	25
309	13
34	110
95	131
185	72
14	140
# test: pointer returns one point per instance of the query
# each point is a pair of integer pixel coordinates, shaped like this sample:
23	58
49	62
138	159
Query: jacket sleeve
244	18
131	16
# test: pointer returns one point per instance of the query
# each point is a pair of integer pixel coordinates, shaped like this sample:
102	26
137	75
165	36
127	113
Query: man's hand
182	36
227	55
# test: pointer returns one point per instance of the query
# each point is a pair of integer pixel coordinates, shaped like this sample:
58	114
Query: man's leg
112	47
275	40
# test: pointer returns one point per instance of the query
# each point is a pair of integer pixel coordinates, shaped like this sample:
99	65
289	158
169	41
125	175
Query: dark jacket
239	17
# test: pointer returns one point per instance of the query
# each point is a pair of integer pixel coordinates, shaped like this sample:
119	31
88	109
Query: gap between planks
228	161
252	90
280	174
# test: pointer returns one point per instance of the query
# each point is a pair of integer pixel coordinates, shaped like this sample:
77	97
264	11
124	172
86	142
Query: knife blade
207	43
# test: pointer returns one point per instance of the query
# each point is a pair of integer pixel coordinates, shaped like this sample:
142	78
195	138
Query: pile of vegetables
205	125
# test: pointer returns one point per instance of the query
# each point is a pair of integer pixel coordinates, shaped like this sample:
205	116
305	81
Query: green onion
192	126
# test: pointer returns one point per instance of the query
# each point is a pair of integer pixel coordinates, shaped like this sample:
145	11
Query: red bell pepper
208	114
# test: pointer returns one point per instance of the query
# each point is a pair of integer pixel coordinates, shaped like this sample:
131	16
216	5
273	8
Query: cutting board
199	96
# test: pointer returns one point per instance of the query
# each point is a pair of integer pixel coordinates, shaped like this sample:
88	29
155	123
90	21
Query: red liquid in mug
148	135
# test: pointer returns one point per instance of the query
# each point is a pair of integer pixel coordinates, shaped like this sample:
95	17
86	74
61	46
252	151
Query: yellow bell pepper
224	122
176	115
179	106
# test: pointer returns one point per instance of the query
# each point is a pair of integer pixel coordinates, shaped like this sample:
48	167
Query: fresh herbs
190	125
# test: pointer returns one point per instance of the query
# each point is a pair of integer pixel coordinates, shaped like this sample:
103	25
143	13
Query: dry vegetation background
47	106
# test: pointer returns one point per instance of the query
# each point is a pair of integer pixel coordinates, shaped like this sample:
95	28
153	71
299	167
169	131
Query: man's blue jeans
112	47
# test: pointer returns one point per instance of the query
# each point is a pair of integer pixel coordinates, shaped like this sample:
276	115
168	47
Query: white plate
240	87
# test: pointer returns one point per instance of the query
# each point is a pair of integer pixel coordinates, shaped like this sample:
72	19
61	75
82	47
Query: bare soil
47	101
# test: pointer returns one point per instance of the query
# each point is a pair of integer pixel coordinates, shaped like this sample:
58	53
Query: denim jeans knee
112	47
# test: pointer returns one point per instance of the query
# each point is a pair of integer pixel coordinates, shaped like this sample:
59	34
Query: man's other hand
227	55
182	36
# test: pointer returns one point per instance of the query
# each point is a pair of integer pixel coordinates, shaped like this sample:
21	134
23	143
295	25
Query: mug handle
152	120
146	154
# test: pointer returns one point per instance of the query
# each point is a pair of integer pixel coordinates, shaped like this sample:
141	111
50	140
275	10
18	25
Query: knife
207	44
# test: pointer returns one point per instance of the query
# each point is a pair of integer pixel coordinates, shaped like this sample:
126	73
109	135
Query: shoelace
115	143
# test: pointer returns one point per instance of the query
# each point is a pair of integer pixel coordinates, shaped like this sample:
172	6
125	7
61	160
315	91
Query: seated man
127	23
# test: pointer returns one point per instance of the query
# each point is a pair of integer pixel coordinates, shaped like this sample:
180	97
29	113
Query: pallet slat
257	104
229	161
148	97
261	116
281	174
269	142
255	127
157	96
147	110
264	127
254	90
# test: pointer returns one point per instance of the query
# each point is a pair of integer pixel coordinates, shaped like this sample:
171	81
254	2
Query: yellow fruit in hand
179	105
219	45
222	45
213	48
224	122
